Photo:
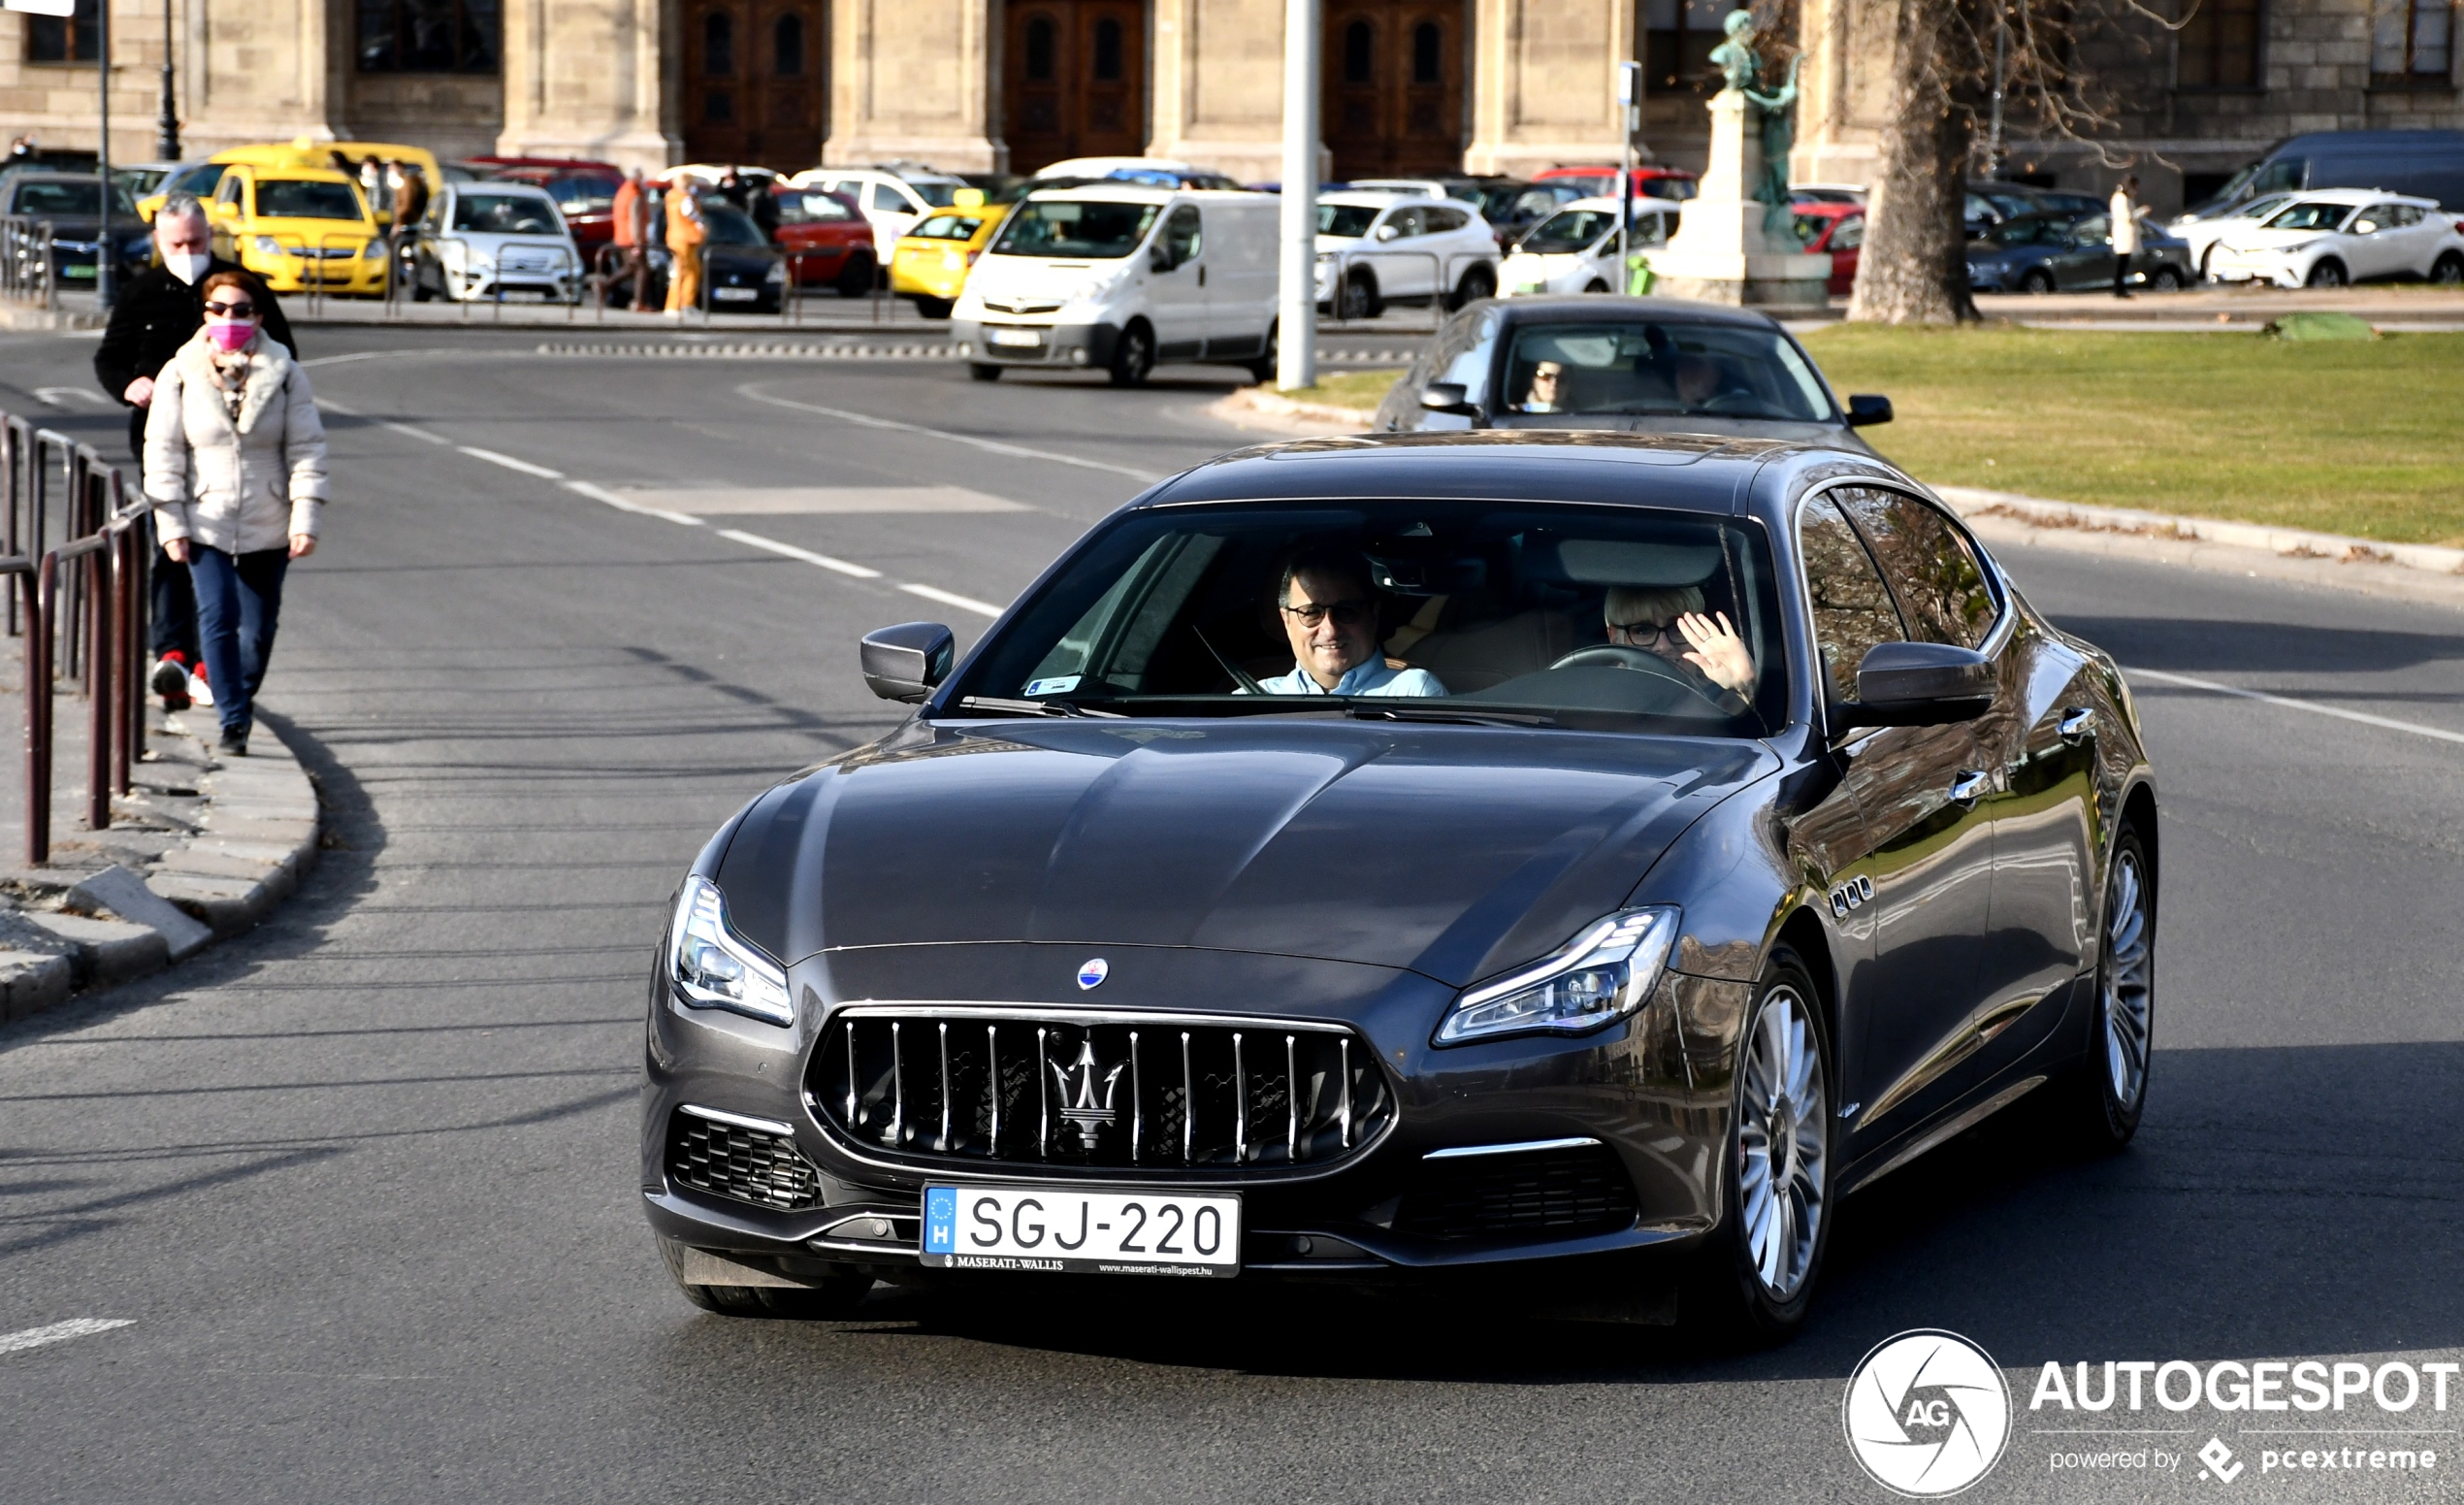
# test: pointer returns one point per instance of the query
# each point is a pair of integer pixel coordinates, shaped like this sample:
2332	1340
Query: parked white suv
2334	236
1574	250
1379	248
891	201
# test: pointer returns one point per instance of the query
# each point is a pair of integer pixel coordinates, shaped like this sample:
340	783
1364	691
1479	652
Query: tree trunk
1914	268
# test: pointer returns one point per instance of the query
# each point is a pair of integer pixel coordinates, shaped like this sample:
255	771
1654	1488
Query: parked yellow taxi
203	179
931	260
298	227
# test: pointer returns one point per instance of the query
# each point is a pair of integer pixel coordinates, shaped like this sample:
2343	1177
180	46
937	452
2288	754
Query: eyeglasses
233	311
1347	614
1539	376
1646	632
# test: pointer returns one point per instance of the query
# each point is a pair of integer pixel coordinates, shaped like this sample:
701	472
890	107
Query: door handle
1202	276
1967	786
2077	725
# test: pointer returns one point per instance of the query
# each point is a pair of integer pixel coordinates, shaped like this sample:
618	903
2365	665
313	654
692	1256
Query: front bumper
1647	1102
929	275
359	272
1001	341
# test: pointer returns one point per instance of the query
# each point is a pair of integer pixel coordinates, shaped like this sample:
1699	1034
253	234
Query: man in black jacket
157	313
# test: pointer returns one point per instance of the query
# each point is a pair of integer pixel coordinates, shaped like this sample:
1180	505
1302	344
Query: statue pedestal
1720	253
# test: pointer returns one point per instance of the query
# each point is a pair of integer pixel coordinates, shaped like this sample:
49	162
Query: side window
1442	220
1406	222
1183	234
1850	234
882	196
1852	608
1941	587
228	190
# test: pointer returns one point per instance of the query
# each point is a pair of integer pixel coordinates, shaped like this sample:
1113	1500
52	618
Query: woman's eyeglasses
233	311
1347	614
1647	632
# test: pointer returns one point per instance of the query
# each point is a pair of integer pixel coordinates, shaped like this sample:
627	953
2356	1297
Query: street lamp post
1296	323
167	124
103	154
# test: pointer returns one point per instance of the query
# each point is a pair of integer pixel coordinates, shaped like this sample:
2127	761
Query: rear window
307	198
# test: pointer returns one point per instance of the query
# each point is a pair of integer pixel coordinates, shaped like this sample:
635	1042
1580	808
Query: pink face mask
228	335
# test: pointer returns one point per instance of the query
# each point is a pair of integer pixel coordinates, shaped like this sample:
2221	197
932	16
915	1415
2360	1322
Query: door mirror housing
1917	684
1866	408
1388	232
1448	397
907	662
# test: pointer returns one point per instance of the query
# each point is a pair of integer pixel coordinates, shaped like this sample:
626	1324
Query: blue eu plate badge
940	1219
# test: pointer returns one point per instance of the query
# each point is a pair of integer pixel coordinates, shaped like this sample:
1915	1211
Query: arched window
1427	51
1108	51
718	43
787	46
1043	41
1359	41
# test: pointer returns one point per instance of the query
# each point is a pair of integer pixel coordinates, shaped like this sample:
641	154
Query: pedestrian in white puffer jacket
235	466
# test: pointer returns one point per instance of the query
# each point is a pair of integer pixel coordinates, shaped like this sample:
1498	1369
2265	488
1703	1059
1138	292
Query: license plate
76	271
735	294
1018	337
1057	1229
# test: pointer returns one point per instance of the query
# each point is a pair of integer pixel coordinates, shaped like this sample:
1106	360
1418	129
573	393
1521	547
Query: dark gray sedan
1643	365
2046	253
1574	858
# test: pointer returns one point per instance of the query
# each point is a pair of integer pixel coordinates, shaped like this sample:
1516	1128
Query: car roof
1597	307
1611	201
1824	209
502	186
1373	198
2358	196
1108	190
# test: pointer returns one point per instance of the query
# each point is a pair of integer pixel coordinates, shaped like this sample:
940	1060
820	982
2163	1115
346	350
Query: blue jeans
237	601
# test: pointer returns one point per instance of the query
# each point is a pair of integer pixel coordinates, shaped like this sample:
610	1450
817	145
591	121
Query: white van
1116	277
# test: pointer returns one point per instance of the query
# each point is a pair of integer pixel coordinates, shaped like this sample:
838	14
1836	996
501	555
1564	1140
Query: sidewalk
197	849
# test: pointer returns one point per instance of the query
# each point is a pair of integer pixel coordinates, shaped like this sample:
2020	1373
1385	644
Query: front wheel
1477	283
934	307
1357	297
2037	281
857	278
2112	1091
2166	279
1263	370
1757	1273
1133	357
2327	274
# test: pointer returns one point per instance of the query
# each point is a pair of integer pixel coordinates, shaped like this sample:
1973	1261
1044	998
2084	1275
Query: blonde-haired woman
235	466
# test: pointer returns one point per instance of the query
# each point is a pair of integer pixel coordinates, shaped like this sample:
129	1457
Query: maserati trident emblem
1078	1086
1094	972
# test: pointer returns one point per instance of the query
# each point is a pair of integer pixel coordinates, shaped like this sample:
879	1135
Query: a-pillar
591	78
1544	84
913	80
1219	85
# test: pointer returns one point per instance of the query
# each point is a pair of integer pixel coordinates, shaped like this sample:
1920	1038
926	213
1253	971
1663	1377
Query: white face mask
187	266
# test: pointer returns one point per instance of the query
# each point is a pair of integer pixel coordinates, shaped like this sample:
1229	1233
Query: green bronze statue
1742	69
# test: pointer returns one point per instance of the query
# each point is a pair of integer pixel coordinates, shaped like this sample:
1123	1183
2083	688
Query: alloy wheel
2129	982
1782	1173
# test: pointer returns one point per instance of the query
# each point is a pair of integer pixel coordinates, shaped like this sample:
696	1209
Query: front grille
1030	1087
1562	1192
742	1164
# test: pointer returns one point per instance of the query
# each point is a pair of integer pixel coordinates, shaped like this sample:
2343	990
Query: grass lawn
2360	437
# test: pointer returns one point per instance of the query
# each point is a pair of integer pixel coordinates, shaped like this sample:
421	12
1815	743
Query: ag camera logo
1926	1413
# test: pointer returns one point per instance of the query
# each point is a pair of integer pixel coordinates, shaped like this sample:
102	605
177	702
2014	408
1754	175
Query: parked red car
1650	183
1836	231
831	240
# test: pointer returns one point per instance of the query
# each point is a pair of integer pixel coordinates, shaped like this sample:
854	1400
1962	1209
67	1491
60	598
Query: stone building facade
1411	85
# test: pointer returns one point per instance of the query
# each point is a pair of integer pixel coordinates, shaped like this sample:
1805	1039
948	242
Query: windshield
1569	230
54	197
1441	610
1096	228
948	227
1708	369
2311	214
2027	232
1346	221
307	198
505	213
730	226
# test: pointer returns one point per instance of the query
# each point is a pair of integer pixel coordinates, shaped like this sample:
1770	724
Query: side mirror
1159	257
904	663
1917	684
1448	397
1868	407
1388	232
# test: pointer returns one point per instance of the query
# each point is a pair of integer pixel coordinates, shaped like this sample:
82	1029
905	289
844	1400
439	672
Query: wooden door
1073	80
755	81
1393	104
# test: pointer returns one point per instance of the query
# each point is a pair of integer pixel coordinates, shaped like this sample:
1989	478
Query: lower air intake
1560	1193
742	1165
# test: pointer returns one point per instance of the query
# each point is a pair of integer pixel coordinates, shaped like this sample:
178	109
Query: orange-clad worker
632	215
686	231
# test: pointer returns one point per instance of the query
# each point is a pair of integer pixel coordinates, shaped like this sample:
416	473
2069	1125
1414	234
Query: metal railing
1446	273
28	261
79	606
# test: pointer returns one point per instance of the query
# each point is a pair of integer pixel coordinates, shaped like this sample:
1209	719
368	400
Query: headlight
710	968
1601	975
374	250
776	274
2297	248
1326	257
267	246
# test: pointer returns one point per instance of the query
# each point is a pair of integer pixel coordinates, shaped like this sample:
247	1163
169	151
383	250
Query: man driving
1329	609
1668	622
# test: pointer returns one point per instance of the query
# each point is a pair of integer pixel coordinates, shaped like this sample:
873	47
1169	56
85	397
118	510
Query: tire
2036	280
1477	283
2166	279
2329	273
934	307
1756	1275
1263	370
834	1297
1357	297
1134	355
978	371
1596	286
2109	1090
857	278
2448	269
420	291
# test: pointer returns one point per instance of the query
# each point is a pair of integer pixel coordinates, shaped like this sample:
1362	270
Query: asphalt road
364	1183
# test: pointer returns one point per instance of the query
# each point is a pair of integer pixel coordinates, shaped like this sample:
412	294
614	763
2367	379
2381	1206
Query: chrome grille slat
1092	1098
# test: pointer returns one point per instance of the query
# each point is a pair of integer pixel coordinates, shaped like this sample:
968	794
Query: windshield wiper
1475	718
1035	707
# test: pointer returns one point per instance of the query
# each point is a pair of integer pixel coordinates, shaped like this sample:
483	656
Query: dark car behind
69	203
2046	253
742	271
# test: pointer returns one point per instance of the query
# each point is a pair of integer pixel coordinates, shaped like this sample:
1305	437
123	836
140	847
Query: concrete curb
239	840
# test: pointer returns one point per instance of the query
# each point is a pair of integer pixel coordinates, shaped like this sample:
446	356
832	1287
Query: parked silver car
493	239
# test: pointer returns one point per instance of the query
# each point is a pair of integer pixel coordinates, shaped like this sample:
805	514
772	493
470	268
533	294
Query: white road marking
60	1332
421	434
951	599
2312	707
510	463
756	540
989	445
625	505
67	397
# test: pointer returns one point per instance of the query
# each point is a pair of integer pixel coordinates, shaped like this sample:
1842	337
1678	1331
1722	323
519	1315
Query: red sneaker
171	680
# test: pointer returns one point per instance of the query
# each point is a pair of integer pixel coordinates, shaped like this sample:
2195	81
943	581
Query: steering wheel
1617	655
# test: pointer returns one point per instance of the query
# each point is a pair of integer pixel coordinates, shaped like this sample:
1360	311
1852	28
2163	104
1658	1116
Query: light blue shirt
1375	677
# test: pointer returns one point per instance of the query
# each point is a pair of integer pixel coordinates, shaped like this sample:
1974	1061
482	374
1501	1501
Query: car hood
1452	851
490	242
